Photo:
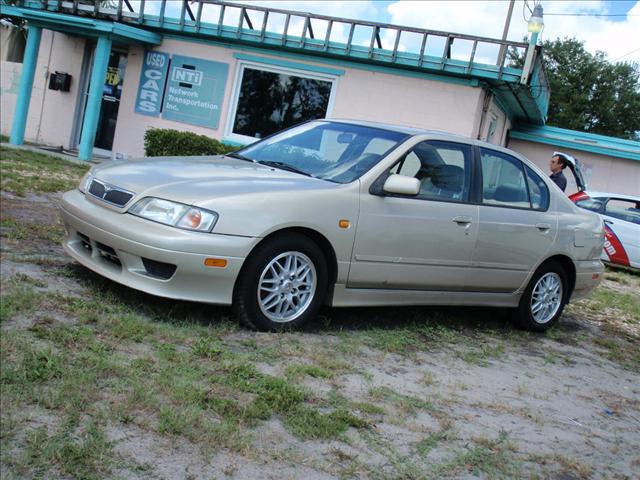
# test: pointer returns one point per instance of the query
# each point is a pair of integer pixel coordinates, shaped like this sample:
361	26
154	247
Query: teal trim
94	100
332	61
88	27
583	141
26	84
285	64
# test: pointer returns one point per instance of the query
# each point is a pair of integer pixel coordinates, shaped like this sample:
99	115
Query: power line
632	51
594	14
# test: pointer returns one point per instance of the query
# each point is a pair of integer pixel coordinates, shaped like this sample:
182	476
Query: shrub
166	142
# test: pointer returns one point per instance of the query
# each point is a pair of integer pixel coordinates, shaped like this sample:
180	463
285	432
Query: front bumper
588	276
141	254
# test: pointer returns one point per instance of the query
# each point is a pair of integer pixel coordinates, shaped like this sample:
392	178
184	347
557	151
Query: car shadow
329	320
459	318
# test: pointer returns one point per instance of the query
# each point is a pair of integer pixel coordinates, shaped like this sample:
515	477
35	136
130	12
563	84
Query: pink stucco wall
602	172
10	73
51	112
360	94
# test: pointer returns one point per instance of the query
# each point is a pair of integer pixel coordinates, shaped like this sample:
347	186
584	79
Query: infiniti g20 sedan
341	213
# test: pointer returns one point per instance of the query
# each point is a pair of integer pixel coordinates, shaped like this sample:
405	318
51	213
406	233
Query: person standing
557	165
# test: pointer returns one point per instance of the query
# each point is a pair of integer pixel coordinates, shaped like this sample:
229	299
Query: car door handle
462	220
543	227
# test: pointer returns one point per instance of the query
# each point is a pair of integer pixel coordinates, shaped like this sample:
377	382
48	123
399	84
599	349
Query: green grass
409	339
74	367
25	171
18	297
300	370
625	304
486	457
310	424
84	455
481	355
17	230
405	404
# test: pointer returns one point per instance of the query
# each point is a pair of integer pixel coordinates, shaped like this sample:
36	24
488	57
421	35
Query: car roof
621	196
392	127
422	131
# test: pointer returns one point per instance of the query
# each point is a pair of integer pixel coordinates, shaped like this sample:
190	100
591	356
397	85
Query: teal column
94	99
26	85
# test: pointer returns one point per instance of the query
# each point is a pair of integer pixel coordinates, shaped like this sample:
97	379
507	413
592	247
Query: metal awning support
26	85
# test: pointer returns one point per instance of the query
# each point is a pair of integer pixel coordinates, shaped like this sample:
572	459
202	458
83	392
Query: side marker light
215	262
344	223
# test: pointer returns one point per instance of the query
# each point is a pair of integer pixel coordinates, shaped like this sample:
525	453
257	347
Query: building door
111	93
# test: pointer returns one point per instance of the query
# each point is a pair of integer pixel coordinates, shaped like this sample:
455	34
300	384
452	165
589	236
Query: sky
611	26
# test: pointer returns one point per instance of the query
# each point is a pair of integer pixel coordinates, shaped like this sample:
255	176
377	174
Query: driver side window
443	169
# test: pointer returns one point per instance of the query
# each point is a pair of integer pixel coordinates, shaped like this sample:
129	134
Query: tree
588	92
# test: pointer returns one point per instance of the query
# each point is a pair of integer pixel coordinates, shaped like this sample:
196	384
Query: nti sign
192	77
194	91
183	89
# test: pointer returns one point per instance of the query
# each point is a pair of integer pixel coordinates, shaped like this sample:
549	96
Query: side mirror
401	185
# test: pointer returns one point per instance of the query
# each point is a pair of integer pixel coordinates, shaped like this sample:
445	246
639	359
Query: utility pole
505	32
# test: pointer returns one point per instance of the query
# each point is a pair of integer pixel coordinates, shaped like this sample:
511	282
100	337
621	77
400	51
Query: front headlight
175	214
85	183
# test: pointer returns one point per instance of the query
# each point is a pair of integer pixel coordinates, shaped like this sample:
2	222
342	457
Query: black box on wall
59	81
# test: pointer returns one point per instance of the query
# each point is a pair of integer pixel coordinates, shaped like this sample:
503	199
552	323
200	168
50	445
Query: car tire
544	298
282	284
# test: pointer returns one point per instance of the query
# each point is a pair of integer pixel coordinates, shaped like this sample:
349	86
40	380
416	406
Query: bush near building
167	142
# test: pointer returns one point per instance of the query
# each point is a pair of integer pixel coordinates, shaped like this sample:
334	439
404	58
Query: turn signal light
215	262
344	223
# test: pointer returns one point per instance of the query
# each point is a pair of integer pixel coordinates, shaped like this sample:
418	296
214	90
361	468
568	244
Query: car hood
200	180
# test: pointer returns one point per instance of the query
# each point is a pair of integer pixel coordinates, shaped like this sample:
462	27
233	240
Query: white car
621	215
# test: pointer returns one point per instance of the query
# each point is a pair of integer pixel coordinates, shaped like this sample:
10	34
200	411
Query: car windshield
338	152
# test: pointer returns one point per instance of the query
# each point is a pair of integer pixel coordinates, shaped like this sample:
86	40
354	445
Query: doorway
110	103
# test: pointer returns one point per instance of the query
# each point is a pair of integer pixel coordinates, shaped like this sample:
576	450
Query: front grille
110	193
158	269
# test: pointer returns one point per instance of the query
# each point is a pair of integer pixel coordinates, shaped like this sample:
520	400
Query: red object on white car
621	215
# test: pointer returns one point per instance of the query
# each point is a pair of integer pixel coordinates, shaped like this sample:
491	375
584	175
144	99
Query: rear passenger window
443	169
538	191
627	210
503	180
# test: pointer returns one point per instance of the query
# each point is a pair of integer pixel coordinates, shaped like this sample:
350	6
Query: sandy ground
566	410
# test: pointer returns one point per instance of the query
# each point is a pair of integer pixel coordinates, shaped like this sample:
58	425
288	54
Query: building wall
601	172
360	94
51	113
493	123
10	73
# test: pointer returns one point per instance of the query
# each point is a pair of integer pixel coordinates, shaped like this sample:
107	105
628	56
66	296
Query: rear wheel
544	298
282	284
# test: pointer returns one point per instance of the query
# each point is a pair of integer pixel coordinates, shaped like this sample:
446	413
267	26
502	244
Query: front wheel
282	284
544	299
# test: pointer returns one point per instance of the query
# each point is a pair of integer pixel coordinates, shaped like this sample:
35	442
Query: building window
268	100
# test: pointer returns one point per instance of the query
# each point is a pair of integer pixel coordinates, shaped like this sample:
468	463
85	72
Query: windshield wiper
240	157
284	166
